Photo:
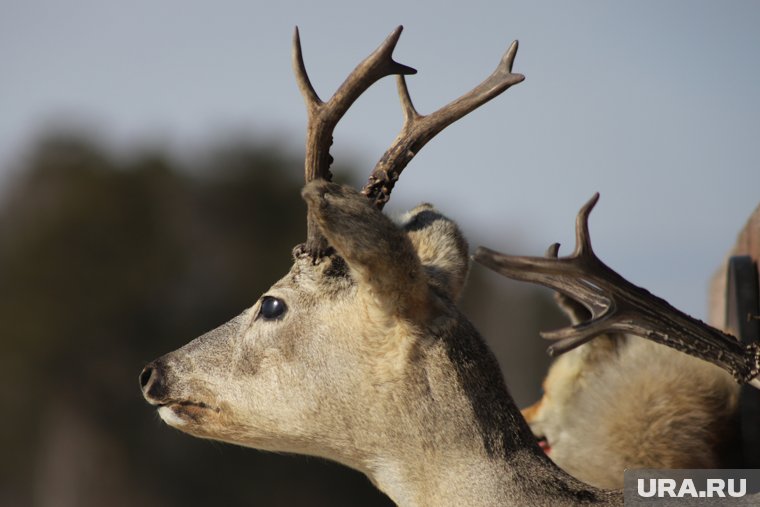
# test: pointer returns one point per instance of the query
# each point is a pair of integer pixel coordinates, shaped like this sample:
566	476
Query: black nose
145	376
153	383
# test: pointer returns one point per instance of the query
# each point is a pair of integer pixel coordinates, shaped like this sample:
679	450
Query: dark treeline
106	263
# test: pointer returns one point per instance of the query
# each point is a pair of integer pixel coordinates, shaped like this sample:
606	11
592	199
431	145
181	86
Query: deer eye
271	308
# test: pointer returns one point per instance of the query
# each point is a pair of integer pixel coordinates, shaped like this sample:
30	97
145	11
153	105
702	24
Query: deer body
372	365
623	402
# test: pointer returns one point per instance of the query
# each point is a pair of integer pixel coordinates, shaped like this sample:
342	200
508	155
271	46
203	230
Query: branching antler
415	133
618	306
418	129
324	116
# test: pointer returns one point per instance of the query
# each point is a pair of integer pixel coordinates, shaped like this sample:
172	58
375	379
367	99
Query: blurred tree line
107	263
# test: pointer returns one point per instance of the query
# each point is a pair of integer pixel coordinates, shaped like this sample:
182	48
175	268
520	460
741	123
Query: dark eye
271	308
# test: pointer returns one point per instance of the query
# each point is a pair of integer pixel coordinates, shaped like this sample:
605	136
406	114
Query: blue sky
654	104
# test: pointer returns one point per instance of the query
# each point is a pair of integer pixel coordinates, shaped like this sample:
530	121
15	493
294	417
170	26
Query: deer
359	353
621	393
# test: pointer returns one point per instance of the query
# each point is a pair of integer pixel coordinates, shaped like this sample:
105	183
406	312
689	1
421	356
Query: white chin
170	418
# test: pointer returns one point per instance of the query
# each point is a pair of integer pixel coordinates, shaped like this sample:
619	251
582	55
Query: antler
418	129
324	116
616	305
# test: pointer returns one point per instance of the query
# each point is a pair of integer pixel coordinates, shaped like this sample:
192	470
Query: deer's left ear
441	248
381	255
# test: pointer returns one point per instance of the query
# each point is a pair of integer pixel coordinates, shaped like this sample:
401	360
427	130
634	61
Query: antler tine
324	116
418	129
302	77
553	251
410	113
618	306
582	236
569	338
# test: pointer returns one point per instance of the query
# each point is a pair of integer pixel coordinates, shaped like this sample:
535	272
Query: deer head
314	363
359	351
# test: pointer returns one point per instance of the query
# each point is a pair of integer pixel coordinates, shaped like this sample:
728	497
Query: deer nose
153	383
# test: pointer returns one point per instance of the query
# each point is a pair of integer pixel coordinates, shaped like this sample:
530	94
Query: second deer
616	398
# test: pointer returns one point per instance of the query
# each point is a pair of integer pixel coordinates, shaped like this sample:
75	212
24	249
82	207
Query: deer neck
446	449
446	479
455	480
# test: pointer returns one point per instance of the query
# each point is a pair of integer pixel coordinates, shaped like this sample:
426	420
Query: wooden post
747	243
734	306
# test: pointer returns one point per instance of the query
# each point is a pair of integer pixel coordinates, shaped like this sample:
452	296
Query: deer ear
380	255
441	248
